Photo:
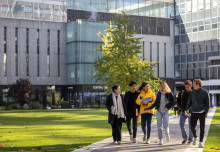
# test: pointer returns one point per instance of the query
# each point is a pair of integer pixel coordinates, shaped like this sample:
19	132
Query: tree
121	62
21	90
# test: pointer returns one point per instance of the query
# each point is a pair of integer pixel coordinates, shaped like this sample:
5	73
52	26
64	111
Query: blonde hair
198	82
165	87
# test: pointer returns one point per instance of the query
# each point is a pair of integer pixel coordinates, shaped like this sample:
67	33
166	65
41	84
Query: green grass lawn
213	139
53	130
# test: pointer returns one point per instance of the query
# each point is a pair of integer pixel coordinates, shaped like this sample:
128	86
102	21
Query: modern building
33	42
197	54
52	42
85	19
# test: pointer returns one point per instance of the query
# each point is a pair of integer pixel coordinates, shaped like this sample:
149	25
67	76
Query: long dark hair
142	85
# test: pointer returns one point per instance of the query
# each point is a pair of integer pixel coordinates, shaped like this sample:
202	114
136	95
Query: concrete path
174	145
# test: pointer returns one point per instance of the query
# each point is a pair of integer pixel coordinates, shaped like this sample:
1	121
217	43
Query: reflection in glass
132	7
33	10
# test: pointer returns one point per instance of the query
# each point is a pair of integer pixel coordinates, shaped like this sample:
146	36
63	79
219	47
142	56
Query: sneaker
189	142
168	139
144	138
119	142
114	142
194	141
134	140
148	141
201	145
161	142
131	137
184	141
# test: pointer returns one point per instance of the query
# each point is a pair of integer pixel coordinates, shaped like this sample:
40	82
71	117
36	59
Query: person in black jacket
182	101
164	102
117	112
199	103
132	110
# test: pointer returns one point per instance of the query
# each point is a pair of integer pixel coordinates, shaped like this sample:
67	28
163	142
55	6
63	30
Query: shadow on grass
49	148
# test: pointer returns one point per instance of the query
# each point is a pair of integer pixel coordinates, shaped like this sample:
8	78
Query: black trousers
134	120
194	118
116	129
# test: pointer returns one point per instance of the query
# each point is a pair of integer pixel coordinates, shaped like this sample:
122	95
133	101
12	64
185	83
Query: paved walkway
174	145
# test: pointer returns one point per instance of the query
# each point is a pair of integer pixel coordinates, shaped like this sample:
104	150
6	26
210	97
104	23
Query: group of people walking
192	104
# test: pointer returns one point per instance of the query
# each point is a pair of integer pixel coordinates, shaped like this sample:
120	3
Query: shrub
2	107
35	105
13	106
65	104
26	107
53	107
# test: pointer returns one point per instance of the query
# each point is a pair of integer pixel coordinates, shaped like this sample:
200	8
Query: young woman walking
117	111
145	99
164	102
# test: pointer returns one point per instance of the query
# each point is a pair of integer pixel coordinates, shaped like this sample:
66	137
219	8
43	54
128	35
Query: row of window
195	5
27	52
132	7
195	48
202	70
207	35
33	10
202	73
200	15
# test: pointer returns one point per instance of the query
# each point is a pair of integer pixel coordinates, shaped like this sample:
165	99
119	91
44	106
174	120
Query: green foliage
65	104
26	107
121	62
53	98
21	90
35	105
13	106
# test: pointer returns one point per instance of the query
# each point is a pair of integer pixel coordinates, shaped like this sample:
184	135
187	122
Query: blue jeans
183	129
162	119
146	118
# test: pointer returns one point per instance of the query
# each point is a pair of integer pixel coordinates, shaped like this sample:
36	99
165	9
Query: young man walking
182	101
199	104
132	110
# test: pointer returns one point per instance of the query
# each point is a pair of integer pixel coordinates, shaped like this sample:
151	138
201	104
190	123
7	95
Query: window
16	51
165	60
143	50
195	48
177	49
48	53
27	52
158	58
5	51
58	45
189	49
150	51
201	5
207	4
38	53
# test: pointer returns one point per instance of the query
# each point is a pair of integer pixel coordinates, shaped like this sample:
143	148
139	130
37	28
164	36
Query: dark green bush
35	105
65	104
13	106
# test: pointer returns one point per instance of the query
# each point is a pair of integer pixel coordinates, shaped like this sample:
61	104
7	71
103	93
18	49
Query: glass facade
197	25
50	10
82	39
155	8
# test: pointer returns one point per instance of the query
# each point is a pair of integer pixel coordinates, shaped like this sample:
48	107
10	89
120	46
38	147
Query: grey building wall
147	39
22	25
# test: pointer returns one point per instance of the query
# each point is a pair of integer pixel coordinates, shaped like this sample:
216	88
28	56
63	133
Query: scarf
117	109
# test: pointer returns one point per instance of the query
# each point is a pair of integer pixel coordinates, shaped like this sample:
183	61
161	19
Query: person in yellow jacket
145	99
